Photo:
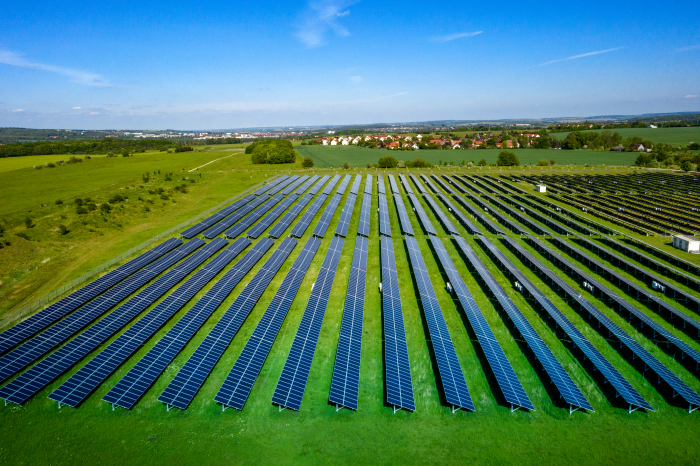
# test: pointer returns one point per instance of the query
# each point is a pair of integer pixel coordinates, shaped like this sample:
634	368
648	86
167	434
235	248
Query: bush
507	159
28	222
91	206
694	146
686	166
105	208
125	153
552	162
273	151
369	165
644	160
482	163
346	165
49	165
184	149
74	160
63	229
78	201
23	235
388	162
111	154
59	202
116	198
164	197
307	162
182	188
542	163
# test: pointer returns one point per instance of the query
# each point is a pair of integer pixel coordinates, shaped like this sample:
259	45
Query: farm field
336	156
674	136
318	434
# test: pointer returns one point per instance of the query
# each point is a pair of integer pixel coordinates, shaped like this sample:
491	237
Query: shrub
146	208
694	146
111	154
105	208
182	188
346	165
552	162
74	160
49	165
164	197
59	202
63	229
369	165
91	206
23	235
28	222
482	163
686	166
542	163
388	162
167	178
125	153
87	157
38	167
507	159
116	198
81	210
151	191
78	201
273	151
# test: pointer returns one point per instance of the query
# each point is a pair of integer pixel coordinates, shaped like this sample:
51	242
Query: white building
541	188
686	243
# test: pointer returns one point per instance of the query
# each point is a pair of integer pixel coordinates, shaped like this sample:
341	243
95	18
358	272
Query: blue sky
215	65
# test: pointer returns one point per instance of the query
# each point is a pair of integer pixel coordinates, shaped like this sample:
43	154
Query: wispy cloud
322	17
94	113
688	49
691	96
574	57
77	108
77	76
458	35
17	110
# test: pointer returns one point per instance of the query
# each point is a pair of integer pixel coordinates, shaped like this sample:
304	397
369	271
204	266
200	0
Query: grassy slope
675	136
317	434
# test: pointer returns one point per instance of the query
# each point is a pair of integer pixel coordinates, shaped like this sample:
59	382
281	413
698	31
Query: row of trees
272	151
101	146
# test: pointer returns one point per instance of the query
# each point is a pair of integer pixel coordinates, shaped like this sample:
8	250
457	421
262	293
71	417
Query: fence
36	306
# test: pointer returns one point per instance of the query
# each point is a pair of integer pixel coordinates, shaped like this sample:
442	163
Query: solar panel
405	183
327	190
384	221
269	185
216	230
327	216
279	187
406	226
343	185
345	384
303	223
345	217
254	216
319	184
454	385
356	185
363	228
440	214
368	185
422	216
419	185
79	386
33	349
236	388
286	191
446	187
399	386
140	377
380	184
281	226
40	375
182	389
623	387
302	189
557	374
290	387
265	223
430	184
463	219
42	319
194	230
394	186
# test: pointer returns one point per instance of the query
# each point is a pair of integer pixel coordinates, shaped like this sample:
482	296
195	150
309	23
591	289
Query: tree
686	166
552	162
542	163
63	229
125	153
272	151
482	163
507	159
307	162
346	165
542	142
644	160
369	165
693	146
387	162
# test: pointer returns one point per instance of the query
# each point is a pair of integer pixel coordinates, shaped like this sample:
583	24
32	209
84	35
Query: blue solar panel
281	226
286	191
394	186
356	185
183	388
405	183
301	226
194	230
216	230
79	386
399	386
368	185
343	185
623	387
406	226
422	216
135	383
384	221
558	375
42	319
430	184
269	185
345	385
440	214
290	387
327	190
463	219
254	216
30	351
454	385
302	189
319	184
279	187
265	223
380	184
446	187
365	213
419	185
324	222
239	382
492	227
345	217
39	376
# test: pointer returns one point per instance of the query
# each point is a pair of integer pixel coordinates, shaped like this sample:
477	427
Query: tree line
84	147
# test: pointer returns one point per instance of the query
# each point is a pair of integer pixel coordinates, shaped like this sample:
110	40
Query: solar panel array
254	216
281	226
216	230
42	319
380	185
405	221
419	185
40	375
406	184
140	377
280	186
445	186
346	215
368	185
454	385
288	190
623	387
384	221
274	182
356	185
79	386
399	386
492	227
33	349
422	216
302	189
328	214
269	219
319	184
440	214
430	184
327	190
365	213
194	230
394	186
557	374
343	185
236	388
290	387
303	223
182	389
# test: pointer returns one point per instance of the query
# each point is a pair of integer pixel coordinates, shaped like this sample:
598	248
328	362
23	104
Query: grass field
38	432
674	136
336	156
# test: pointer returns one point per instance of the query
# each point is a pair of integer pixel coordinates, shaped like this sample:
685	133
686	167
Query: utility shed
686	243
541	188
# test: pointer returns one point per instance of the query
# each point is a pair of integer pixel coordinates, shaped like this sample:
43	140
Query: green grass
336	156
38	432
674	136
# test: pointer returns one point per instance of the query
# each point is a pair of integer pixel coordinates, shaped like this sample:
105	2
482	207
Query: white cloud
356	79
323	16
77	76
458	35
94	113
77	108
574	57
689	48
691	96
17	110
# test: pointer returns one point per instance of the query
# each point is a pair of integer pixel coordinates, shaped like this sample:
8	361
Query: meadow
39	432
675	136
